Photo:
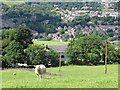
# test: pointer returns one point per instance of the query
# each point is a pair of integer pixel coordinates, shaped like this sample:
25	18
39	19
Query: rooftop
58	48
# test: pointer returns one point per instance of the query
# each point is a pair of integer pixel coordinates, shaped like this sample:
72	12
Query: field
74	77
49	43
10	3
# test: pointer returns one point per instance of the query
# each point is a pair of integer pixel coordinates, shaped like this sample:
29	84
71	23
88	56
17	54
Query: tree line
17	47
91	49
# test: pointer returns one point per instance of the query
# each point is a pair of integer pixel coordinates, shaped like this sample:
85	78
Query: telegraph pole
106	59
60	62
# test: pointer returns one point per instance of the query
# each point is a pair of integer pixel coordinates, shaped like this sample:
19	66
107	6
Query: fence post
106	59
60	62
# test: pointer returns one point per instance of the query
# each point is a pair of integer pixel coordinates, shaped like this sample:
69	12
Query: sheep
40	70
14	75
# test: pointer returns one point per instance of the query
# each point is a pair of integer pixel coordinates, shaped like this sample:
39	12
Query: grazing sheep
14	73
40	70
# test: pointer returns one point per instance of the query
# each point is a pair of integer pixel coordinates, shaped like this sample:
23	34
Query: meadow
74	77
10	3
50	43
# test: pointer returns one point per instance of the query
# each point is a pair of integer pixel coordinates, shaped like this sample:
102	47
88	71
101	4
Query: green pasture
49	43
10	3
74	77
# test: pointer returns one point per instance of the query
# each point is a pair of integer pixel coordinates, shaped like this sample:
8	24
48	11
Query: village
71	30
68	16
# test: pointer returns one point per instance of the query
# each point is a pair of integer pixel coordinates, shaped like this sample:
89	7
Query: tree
20	34
14	53
84	50
110	33
36	55
53	57
112	53
13	44
100	34
61	31
79	34
23	36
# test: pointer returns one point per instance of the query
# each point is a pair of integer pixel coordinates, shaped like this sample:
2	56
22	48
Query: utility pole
106	59
60	62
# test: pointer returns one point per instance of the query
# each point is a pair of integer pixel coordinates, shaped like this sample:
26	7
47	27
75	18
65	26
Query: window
62	56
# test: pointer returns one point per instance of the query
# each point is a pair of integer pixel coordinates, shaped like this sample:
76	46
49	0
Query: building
34	32
60	49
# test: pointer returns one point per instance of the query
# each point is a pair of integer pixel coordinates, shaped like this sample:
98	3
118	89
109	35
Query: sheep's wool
40	69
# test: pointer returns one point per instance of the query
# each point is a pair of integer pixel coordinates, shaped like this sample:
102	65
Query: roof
58	48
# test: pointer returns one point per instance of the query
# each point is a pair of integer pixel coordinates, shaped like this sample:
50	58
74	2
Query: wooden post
106	59
60	62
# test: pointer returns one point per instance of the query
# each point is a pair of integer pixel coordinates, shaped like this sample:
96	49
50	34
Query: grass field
50	43
74	77
10	3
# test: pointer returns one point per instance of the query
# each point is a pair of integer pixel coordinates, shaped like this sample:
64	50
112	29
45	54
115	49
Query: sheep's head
14	73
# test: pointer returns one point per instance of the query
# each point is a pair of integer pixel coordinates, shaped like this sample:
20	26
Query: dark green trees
90	49
39	55
36	55
13	44
53	57
14	53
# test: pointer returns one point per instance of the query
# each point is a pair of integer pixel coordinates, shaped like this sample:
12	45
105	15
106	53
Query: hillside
62	21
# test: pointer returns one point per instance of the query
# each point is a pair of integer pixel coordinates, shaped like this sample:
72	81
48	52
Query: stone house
60	49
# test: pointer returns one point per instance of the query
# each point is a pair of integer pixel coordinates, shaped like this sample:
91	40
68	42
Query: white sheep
40	70
14	75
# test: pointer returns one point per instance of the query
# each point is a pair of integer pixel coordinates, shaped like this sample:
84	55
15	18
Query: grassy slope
9	3
75	77
50	43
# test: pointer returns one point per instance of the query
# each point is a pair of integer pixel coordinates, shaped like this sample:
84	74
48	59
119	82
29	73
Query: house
33	17
60	49
106	27
45	21
116	42
35	4
34	32
114	14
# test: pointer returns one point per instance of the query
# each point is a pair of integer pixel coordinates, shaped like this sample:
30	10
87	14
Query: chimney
43	45
46	46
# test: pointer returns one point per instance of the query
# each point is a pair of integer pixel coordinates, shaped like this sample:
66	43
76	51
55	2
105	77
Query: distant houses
34	32
71	32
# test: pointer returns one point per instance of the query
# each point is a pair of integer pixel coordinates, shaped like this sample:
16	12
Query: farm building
60	48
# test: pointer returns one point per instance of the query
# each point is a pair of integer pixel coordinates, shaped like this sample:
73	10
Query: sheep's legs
40	77
43	76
